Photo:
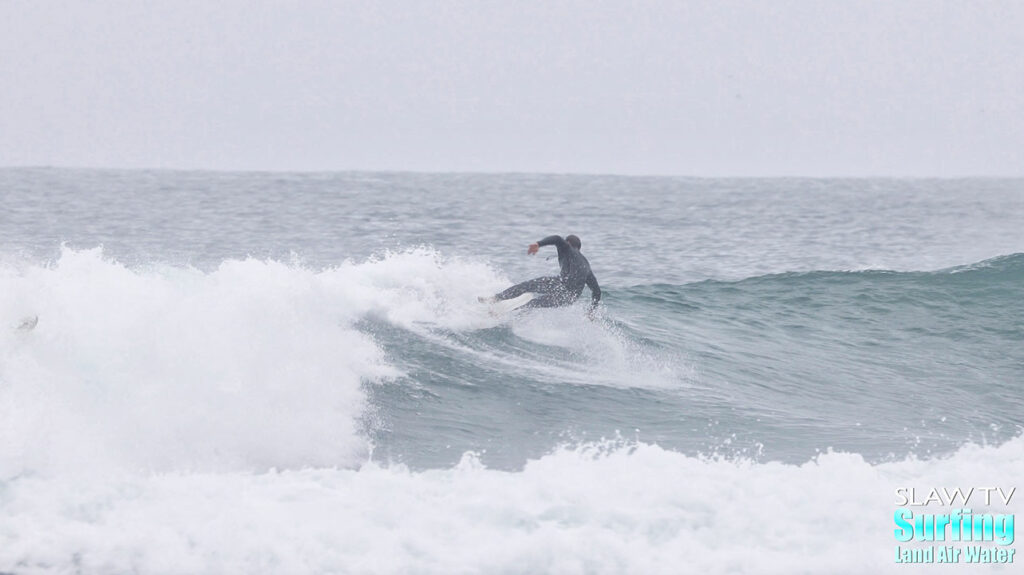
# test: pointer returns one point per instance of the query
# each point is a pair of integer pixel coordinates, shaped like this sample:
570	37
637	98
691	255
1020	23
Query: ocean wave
975	301
1001	269
260	364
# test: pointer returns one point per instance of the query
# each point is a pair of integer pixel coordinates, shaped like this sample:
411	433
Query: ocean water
290	373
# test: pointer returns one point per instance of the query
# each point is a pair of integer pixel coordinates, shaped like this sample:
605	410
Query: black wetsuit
563	289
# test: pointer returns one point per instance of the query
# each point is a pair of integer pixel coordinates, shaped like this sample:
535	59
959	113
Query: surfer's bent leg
545	285
550	300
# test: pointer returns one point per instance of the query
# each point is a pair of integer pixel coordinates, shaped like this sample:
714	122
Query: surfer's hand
533	248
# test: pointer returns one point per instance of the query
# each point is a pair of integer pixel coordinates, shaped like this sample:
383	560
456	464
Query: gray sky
733	88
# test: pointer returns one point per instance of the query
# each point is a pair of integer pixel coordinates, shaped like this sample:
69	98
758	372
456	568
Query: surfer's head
573	241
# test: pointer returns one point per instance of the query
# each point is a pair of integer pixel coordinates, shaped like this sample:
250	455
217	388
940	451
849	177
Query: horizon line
457	172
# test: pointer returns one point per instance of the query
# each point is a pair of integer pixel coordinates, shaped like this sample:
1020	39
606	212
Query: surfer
560	290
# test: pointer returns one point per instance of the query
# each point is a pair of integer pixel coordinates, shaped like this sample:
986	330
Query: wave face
244	389
864	360
884	364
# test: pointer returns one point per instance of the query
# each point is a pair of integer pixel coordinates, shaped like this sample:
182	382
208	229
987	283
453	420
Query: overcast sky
717	88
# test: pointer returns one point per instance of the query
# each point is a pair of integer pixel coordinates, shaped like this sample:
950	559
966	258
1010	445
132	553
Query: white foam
598	353
418	286
254	365
594	509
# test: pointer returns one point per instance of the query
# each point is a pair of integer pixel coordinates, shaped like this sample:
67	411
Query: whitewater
290	373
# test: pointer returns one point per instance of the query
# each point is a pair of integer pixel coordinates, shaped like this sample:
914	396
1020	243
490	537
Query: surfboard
507	306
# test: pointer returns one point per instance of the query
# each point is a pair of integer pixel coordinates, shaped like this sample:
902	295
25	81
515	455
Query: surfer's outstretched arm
557	241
